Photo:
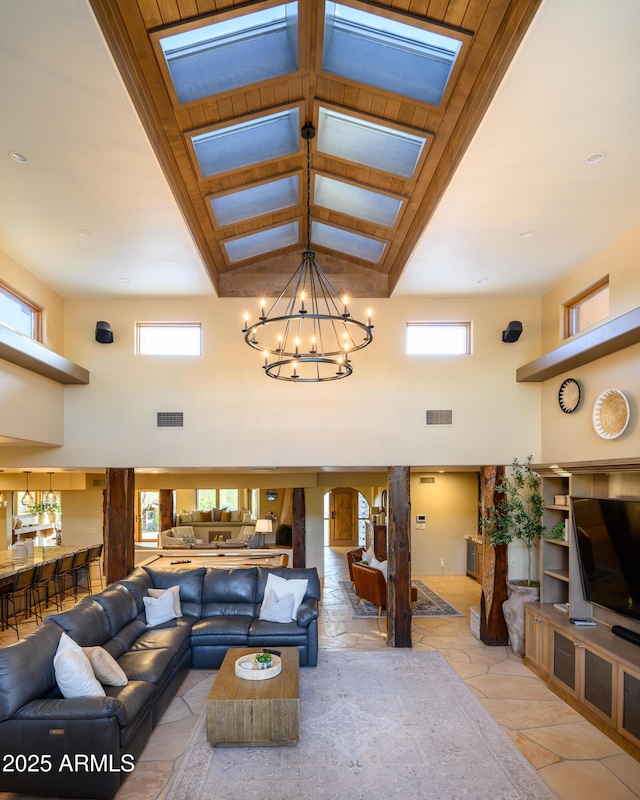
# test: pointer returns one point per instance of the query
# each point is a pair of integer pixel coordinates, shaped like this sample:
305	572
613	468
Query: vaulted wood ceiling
361	255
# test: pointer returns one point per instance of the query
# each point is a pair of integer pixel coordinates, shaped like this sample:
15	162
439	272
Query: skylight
246	143
255	201
235	52
347	242
369	143
262	242
356	201
396	57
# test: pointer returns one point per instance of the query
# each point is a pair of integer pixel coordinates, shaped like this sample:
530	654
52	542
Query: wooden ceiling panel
490	32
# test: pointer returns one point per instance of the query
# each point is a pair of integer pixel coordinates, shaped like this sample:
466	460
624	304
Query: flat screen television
608	546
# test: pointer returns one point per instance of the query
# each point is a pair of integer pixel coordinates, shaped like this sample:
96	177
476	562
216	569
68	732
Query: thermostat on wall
421	521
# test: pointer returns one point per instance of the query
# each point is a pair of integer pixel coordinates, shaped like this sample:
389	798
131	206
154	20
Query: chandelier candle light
308	334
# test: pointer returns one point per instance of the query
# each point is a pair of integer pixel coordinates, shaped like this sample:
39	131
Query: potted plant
518	517
51	509
37	509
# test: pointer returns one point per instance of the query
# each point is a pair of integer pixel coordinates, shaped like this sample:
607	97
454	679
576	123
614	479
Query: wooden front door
343	518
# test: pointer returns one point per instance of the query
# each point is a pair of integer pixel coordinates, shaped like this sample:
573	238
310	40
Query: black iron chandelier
308	334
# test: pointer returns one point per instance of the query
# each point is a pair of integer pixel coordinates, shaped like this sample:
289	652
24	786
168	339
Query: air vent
170	419
99	482
441	416
424	479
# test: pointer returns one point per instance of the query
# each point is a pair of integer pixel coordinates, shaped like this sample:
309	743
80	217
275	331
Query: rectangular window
168	339
587	308
438	338
217	498
20	314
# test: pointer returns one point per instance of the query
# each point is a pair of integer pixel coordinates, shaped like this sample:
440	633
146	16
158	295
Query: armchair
370	584
246	538
352	557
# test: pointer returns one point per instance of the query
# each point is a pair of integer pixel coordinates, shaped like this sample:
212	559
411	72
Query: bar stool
45	576
64	565
22	585
80	567
95	557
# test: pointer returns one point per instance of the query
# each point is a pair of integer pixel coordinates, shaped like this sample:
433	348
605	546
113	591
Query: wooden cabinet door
343	518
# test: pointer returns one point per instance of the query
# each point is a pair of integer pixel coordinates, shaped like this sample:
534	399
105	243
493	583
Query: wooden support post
119	523
493	630
399	559
299	529
166	509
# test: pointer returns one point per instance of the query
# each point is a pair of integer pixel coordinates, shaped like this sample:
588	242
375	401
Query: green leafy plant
557	534
518	515
35	508
51	508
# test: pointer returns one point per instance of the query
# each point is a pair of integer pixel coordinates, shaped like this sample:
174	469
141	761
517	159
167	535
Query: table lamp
263	526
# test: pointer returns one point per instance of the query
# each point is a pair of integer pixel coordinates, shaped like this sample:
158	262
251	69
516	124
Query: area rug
374	725
429	603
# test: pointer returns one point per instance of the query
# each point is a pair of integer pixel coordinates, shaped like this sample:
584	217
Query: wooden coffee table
259	713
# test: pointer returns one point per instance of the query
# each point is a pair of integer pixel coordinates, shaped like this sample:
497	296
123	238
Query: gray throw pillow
277	610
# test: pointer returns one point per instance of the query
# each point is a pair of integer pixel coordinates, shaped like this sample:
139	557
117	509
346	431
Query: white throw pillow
175	591
281	586
369	555
159	610
277	609
105	667
381	565
73	671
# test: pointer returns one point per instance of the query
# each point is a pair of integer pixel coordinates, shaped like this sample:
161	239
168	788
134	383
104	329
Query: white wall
237	417
572	437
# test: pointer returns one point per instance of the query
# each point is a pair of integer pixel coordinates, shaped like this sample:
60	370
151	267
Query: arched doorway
346	511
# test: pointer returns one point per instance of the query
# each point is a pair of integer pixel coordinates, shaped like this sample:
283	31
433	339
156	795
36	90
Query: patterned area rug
429	603
377	725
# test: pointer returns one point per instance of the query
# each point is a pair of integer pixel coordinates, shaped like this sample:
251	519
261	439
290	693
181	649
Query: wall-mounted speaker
104	334
512	332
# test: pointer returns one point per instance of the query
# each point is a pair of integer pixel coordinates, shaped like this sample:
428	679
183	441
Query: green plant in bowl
264	660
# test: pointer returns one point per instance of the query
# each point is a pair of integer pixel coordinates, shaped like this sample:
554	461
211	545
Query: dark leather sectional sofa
85	747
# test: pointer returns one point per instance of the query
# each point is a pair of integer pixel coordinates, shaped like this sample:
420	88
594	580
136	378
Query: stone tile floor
574	758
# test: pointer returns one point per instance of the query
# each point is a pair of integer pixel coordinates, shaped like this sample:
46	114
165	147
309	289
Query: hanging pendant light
50	496
308	334
27	497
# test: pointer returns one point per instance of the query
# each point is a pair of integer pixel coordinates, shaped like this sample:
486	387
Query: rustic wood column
493	630
166	509
299	529
119	523
399	558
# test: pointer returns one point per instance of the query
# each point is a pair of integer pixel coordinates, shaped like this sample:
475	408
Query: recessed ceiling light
483	280
124	280
525	234
16	155
595	158
84	233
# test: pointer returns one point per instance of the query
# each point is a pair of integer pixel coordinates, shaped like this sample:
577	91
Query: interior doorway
346	511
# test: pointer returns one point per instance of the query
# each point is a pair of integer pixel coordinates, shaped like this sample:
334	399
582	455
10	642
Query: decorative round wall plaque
569	395
610	414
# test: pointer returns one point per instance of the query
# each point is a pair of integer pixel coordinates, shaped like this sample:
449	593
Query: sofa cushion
174	638
123	640
175	592
134	697
225	516
229	592
277	609
86	623
310	574
148	665
138	583
26	668
119	606
231	630
263	633
189	581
